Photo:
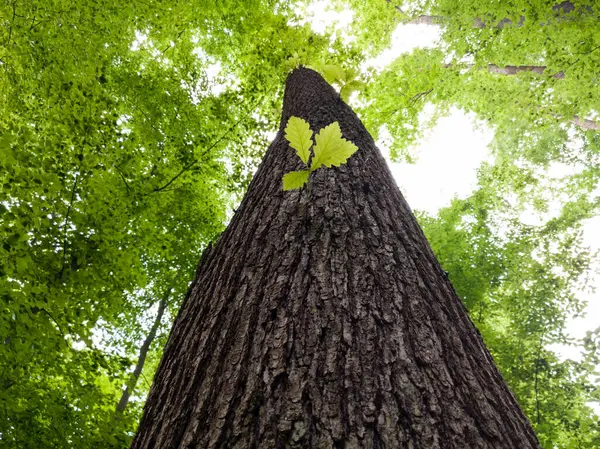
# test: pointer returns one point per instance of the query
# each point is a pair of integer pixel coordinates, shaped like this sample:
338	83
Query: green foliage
295	179
299	135
348	79
128	129
330	150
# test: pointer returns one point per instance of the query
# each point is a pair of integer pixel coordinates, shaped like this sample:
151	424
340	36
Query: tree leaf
295	179
331	149
333	73
298	134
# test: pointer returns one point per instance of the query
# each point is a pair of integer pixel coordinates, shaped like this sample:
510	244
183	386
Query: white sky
450	153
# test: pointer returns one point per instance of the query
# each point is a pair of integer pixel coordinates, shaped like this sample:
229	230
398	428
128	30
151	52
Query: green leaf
299	135
295	179
331	149
333	73
350	88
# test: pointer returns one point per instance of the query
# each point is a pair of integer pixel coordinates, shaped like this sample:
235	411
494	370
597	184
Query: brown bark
326	322
130	387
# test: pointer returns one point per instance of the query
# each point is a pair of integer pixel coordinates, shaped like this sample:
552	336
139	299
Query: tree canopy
129	131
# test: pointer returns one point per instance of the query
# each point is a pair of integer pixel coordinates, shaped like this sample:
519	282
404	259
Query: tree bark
326	322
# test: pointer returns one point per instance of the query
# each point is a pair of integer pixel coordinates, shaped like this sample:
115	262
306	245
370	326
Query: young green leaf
331	149
295	179
299	135
333	73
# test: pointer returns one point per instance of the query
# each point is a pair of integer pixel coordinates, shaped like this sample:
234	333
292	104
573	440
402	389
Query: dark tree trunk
327	322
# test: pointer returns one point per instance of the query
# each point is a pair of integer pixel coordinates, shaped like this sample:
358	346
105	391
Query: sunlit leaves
126	132
295	179
299	135
331	148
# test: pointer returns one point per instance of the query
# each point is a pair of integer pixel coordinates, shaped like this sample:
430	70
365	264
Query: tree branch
213	145
562	8
74	189
513	69
143	353
584	123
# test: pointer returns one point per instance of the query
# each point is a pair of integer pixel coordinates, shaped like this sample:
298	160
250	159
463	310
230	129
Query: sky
449	154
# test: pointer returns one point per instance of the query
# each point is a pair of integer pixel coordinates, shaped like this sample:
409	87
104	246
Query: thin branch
585	123
14	8
537	365
213	145
74	189
175	40
420	95
122	177
511	69
143	353
55	322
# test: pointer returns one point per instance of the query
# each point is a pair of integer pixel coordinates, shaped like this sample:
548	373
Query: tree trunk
326	322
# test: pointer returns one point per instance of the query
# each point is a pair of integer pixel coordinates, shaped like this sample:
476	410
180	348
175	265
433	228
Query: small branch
55	322
426	20
143	353
74	189
420	95
14	8
213	145
584	123
513	69
122	177
175	41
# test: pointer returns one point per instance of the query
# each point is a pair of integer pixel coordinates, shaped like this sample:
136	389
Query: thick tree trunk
326	322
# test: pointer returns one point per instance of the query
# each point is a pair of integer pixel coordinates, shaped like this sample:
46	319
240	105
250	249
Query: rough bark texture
327	322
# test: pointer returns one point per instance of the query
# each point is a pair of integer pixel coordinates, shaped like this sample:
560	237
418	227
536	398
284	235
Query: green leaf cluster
330	150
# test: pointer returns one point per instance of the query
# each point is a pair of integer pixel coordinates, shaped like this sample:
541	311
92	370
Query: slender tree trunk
326	322
130	387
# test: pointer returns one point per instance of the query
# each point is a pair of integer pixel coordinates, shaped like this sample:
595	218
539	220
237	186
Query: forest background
129	132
